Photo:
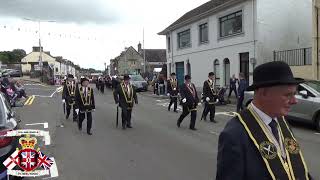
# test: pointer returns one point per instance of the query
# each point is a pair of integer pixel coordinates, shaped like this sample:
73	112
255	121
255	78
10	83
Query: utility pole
144	54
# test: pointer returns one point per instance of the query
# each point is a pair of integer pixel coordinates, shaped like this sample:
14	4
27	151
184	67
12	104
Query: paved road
154	149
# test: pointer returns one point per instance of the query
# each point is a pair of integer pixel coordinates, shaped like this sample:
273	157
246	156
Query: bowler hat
126	77
83	79
187	77
70	76
173	74
211	74
273	74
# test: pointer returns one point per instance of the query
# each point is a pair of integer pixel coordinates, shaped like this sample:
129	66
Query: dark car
8	122
12	73
138	82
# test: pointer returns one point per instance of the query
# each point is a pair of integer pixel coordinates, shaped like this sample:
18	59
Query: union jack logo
44	161
28	160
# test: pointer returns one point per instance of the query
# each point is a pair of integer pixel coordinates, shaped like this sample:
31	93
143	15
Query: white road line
45	124
317	133
42	96
215	133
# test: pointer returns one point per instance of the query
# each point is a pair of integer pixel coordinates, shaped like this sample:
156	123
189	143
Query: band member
68	96
173	92
86	104
101	83
209	97
189	101
258	143
125	95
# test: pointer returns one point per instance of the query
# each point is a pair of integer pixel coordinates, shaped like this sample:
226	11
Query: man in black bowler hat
68	96
189	101
258	143
85	103
209	96
125	95
173	92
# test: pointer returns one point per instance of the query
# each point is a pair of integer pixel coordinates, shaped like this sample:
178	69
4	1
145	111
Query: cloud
66	11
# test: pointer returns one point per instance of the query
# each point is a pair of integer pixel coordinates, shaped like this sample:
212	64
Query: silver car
138	82
308	107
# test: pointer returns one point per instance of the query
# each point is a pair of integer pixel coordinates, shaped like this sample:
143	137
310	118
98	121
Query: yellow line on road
30	100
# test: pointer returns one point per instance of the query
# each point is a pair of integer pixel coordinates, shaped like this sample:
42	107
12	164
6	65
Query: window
169	43
216	70
184	39
203	33
231	24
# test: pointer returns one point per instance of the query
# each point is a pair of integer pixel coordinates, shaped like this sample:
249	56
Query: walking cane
117	120
64	108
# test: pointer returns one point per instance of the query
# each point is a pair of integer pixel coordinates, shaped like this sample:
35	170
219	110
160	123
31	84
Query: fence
294	57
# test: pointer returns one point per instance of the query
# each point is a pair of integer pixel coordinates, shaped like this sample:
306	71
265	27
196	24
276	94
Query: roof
197	12
155	55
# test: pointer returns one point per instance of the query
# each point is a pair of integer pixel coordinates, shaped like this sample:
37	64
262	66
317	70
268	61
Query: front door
244	65
180	72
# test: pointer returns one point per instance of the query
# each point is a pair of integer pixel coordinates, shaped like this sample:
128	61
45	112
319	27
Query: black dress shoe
124	128
129	126
214	121
175	111
178	124
89	133
80	129
193	129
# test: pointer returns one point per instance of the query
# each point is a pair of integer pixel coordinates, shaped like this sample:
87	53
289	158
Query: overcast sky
88	32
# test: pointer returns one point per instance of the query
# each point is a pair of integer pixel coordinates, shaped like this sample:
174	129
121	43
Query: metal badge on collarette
291	146
268	150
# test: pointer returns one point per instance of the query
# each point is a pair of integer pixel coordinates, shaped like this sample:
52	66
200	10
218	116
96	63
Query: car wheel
317	123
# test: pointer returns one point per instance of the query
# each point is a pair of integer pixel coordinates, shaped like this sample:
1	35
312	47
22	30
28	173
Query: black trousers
82	116
102	88
173	100
74	114
235	92
185	113
209	108
126	117
239	104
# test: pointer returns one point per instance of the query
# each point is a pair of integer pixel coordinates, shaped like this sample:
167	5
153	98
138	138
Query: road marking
45	124
225	113
215	133
317	133
30	100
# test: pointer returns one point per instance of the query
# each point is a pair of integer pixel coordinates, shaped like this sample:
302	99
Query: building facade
233	36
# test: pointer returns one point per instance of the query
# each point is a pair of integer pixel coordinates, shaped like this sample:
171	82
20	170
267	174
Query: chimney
36	49
139	48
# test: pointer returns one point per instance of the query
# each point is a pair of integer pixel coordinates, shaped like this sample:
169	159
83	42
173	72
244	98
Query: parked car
8	121
138	82
12	73
308	107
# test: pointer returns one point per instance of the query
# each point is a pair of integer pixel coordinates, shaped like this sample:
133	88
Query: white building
233	36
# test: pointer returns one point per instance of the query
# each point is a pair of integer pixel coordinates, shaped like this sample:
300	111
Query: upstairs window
203	33
231	24
184	39
169	43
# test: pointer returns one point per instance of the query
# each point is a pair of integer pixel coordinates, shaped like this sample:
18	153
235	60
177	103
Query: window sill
230	36
182	48
203	43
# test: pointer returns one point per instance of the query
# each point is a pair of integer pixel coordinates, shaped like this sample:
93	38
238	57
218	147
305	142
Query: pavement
154	149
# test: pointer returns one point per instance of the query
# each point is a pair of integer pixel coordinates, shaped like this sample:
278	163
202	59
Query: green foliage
13	56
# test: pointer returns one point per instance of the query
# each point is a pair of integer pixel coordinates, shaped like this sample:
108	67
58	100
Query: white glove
63	101
217	100
93	110
207	99
77	111
168	94
178	94
184	100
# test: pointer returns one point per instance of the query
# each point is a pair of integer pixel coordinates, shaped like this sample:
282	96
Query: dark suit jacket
79	103
238	158
192	102
170	89
207	92
119	97
65	93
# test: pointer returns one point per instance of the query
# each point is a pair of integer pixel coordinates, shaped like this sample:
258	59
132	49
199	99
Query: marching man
125	95
86	104
189	102
68	96
173	92
209	96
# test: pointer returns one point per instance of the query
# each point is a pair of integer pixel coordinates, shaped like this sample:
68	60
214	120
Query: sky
88	32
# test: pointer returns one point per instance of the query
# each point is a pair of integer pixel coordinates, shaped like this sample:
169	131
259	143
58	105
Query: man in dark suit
68	96
125	95
242	87
258	144
173	92
189	101
85	103
209	96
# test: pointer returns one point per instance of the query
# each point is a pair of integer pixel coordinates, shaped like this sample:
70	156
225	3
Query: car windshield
137	78
314	84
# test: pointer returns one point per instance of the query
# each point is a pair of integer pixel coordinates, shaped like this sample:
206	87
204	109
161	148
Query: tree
4	57
17	55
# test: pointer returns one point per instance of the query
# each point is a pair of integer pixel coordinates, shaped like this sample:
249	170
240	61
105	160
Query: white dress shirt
267	120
